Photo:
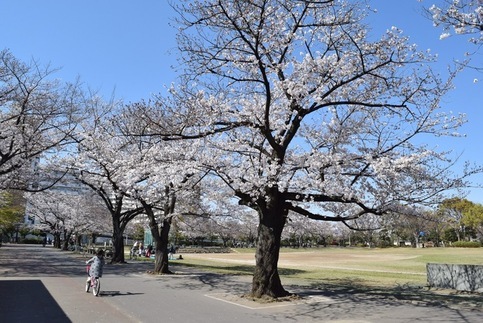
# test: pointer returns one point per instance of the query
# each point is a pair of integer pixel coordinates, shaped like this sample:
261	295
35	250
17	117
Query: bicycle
93	282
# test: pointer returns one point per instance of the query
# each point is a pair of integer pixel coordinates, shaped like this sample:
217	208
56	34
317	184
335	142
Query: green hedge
466	244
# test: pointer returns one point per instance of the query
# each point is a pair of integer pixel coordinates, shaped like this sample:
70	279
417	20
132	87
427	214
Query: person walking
133	251
141	249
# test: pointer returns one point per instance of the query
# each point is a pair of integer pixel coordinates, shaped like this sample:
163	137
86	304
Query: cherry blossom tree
64	214
301	110
219	216
342	233
37	114
105	162
304	232
133	174
161	175
460	17
160	217
295	230
248	227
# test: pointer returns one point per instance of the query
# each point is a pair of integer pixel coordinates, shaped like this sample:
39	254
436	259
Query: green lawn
364	266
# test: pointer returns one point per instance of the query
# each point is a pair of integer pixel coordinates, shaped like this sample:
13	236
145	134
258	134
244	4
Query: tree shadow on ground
38	261
240	269
416	295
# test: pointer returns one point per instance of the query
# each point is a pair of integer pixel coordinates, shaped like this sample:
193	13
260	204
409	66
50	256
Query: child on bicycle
95	269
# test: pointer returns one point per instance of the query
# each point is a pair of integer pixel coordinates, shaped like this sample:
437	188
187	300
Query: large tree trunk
117	242
266	280
65	244
161	234
161	265
57	243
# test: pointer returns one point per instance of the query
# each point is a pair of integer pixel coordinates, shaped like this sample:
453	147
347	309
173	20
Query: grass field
362	266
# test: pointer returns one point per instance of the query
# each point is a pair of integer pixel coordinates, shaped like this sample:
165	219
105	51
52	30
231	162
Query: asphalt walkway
42	284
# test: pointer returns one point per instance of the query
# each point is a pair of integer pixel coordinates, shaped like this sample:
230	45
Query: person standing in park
133	251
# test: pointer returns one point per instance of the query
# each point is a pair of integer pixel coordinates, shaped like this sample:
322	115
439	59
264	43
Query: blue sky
120	46
125	48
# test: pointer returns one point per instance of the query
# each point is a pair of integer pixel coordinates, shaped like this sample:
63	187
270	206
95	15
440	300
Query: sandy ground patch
310	259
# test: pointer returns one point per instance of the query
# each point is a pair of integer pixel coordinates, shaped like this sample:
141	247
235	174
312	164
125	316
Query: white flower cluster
461	16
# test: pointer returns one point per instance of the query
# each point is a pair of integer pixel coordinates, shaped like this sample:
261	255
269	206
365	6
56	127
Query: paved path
46	285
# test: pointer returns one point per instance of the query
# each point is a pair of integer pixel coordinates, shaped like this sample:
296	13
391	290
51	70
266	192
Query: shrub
31	241
466	244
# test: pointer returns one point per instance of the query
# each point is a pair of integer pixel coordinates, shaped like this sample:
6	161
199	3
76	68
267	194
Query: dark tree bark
67	236
56	240
161	265
117	241
160	232
119	215
266	280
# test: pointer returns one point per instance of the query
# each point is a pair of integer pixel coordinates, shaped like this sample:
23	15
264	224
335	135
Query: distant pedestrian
171	252
134	249
149	251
